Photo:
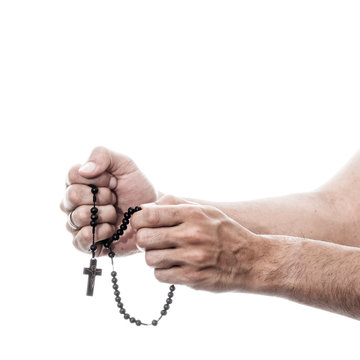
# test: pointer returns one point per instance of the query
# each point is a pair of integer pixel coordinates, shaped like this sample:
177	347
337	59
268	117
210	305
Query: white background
221	100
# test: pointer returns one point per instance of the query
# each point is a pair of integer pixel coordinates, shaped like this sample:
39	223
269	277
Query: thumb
103	159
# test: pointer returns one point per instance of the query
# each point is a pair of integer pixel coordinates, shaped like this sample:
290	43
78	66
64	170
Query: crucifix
91	271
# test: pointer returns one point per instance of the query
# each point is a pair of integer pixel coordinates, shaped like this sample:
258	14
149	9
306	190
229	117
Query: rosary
92	271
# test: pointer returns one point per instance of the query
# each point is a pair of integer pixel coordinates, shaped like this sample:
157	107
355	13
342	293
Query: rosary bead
168	301
120	305
93	223
94	210
137	208
114	280
163	312
125	221
116	292
126	316
113	273
172	288
115	286
166	307
138	322
132	320
120	232
111	254
126	215
93	247
131	210
106	244
170	294
154	322
118	299
115	237
94	190
122	311
123	227
94	217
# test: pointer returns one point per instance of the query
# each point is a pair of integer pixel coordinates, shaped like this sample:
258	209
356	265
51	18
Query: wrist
275	269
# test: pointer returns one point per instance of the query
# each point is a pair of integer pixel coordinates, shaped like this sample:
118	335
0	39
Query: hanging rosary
92	271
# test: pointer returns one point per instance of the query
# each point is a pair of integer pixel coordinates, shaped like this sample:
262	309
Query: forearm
315	273
315	215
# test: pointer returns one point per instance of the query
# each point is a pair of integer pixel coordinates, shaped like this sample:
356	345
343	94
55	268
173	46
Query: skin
304	247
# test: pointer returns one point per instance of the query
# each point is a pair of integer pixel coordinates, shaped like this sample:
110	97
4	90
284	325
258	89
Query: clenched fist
121	185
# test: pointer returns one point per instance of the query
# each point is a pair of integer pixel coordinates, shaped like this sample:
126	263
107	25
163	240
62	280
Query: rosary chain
107	244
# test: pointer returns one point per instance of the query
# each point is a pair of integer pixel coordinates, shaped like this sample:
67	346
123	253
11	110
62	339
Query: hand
201	247
121	185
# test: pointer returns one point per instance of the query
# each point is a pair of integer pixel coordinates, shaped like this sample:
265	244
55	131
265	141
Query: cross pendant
91	271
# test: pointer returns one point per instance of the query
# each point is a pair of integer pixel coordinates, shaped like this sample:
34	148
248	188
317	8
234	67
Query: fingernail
113	182
88	167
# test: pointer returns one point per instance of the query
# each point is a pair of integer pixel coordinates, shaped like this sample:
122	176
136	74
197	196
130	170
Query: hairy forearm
315	215
315	273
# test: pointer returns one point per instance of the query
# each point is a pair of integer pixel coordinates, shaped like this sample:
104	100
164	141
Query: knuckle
168	199
72	174
86	233
149	258
152	215
72	194
199	257
141	237
80	216
160	275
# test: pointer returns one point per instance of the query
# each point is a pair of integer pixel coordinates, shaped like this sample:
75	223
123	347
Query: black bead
94	217
93	247
126	215
120	232
168	300
123	227
170	294
115	286
163	312
115	237
94	210
166	307
132	320
94	190
111	254
138	322
118	299
122	311
116	292
120	305
113	273
126	316
125	221
93	223
106	244
137	208
172	288
131	210
154	322
114	280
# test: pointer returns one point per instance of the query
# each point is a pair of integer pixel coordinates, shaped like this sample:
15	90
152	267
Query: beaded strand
107	244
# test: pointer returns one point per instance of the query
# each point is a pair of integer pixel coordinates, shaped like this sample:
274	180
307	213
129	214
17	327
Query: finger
103	159
106	214
76	195
164	259
158	238
186	275
158	216
105	179
83	238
